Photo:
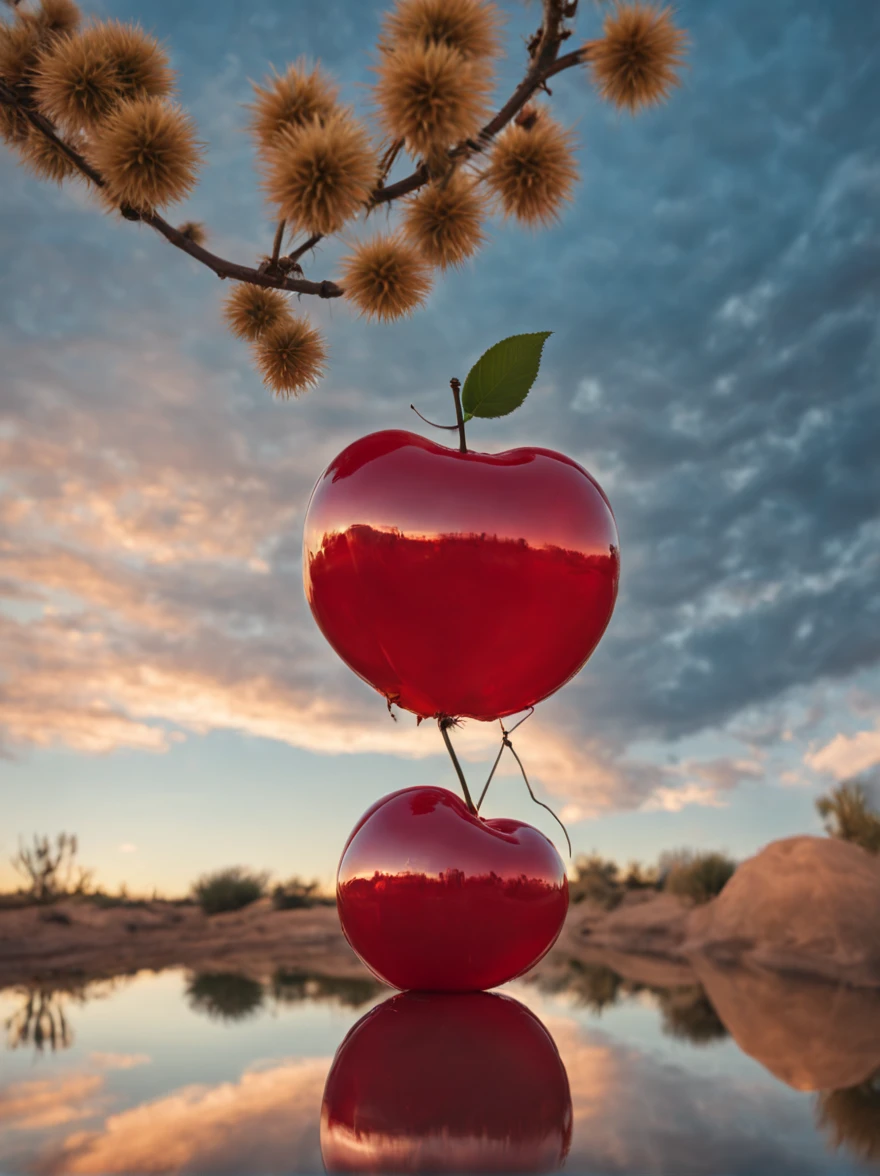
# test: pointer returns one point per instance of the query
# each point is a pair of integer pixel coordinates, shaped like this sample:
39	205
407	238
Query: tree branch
221	267
545	63
544	49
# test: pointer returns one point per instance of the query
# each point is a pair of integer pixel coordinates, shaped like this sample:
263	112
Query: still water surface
226	1074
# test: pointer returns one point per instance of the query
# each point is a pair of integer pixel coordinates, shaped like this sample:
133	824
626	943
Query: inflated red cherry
470	584
446	1083
432	897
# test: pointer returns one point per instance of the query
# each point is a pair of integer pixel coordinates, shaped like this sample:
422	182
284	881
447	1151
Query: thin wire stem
504	735
467	796
491	774
507	743
450	428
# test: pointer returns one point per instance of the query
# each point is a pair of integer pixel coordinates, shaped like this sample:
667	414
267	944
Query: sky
713	295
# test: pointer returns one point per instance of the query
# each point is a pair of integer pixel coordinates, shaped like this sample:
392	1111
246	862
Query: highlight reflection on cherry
470	584
439	1082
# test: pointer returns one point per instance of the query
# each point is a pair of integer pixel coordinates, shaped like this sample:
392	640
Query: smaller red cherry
434	897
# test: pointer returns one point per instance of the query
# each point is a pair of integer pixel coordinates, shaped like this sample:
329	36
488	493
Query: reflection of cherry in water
432	897
468	584
470	1082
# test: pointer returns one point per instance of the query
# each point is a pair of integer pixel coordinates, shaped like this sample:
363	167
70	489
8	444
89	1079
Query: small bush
848	814
596	880
295	894
228	890
699	876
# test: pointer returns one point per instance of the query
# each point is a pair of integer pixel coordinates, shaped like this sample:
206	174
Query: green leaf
501	379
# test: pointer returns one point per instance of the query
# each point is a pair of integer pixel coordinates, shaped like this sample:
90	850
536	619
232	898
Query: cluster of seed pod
106	90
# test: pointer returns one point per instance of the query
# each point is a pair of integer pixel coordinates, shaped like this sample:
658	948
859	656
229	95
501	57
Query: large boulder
804	905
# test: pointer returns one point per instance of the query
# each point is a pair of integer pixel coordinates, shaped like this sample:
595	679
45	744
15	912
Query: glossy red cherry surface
469	584
433	898
431	1082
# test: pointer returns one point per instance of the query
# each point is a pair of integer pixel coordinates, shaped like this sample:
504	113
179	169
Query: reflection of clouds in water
38	1104
636	1113
266	1121
633	1112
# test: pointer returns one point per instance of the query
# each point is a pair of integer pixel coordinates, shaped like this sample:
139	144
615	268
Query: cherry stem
455	385
444	724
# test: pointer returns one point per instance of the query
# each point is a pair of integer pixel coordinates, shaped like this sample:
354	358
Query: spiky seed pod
445	221
250	311
194	231
472	27
147	153
80	79
56	16
45	159
291	356
532	170
322	173
431	97
74	84
139	61
19	49
635	63
385	278
14	127
288	101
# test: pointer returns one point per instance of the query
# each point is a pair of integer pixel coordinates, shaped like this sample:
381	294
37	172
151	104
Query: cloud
847	755
713	358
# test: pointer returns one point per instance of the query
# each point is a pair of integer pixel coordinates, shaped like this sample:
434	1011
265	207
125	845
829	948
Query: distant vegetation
295	893
225	996
849	815
49	869
699	876
686	1012
232	996
228	890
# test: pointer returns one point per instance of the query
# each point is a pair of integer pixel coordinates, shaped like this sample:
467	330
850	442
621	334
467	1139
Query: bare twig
544	49
276	244
221	267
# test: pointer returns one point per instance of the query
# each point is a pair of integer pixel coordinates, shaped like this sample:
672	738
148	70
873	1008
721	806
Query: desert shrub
596	880
296	893
228	890
225	996
638	877
848	815
699	876
50	870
